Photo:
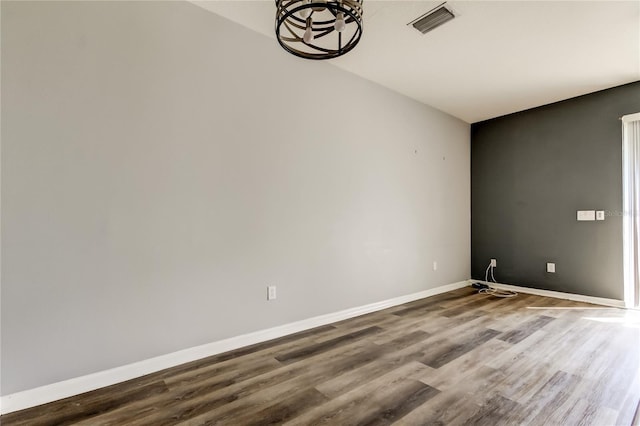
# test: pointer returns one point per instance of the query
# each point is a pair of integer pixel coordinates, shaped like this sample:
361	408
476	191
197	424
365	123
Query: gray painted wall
161	166
530	172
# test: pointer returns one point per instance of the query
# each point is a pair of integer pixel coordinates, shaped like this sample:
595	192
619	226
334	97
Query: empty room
302	212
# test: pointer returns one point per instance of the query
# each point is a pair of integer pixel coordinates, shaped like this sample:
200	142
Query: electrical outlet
435	265
551	267
494	263
271	292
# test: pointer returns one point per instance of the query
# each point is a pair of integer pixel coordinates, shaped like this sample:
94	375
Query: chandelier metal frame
290	27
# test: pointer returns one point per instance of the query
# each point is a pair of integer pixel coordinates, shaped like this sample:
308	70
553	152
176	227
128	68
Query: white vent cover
432	19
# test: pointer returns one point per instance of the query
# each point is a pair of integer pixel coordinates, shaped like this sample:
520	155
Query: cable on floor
492	290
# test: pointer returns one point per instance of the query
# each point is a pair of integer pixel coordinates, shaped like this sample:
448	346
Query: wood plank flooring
455	358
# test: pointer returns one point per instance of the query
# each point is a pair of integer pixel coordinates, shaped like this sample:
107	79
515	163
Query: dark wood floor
455	358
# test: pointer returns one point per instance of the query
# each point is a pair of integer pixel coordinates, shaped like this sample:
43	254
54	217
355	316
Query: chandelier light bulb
306	12
308	33
340	25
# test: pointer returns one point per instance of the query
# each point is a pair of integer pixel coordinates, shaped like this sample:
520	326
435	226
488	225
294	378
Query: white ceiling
495	58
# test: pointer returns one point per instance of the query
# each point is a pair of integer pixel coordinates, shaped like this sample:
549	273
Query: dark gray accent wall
530	172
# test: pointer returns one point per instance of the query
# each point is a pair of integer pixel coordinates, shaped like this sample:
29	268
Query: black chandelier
318	29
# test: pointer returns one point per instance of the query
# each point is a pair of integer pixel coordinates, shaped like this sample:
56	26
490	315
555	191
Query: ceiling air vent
432	19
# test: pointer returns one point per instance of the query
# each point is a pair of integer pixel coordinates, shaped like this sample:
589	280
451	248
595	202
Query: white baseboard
556	294
55	391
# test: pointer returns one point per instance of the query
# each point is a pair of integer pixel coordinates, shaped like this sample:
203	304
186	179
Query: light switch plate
551	267
586	215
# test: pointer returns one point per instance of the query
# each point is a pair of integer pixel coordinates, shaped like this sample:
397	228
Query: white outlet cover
600	215
435	266
551	267
271	292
